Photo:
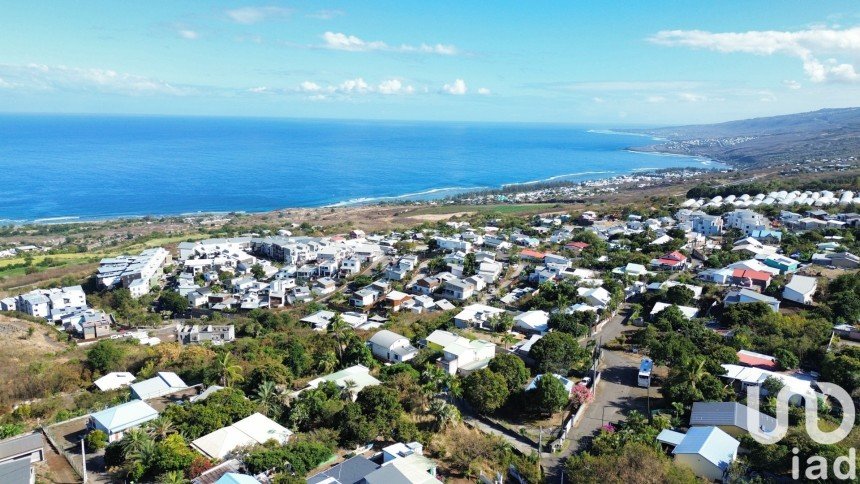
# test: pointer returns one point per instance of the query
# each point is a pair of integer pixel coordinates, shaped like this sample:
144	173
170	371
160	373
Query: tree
550	394
485	390
679	295
380	404
355	428
576	323
581	395
558	352
501	322
338	329
512	369
173	302
469	265
160	428
105	356
269	399
96	440
356	352
258	272
786	359
444	414
228	371
634	462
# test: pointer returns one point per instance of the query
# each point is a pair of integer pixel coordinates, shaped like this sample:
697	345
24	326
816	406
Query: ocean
66	167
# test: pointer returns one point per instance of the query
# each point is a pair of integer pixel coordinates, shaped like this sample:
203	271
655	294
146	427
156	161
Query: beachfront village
580	347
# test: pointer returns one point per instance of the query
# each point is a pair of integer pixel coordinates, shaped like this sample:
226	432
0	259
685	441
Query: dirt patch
435	217
16	340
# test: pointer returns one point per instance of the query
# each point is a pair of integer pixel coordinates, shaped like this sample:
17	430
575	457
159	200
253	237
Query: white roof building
255	429
114	381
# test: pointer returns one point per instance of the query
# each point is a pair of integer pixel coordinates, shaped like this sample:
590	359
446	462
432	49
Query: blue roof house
115	421
708	451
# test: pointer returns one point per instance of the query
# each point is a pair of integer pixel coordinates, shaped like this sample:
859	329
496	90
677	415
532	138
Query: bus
645	372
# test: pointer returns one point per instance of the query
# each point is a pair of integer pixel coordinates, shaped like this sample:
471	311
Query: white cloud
326	14
598	100
794	85
484	91
253	15
308	86
188	34
691	97
655	99
814	47
259	90
458	88
357	86
351	43
40	77
394	86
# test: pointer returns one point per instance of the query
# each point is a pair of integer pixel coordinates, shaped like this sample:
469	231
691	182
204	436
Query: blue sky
572	62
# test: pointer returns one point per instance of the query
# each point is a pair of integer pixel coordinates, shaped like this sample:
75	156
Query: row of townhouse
65	306
136	273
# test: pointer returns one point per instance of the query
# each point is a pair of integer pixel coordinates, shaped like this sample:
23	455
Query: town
483	346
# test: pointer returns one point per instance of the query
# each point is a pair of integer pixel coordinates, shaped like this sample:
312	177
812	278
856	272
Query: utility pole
84	461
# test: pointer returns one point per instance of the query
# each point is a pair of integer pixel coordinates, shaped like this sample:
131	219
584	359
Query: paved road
616	394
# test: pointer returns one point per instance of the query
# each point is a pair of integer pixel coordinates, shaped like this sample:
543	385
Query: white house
116	420
532	322
476	315
597	296
392	347
460	354
707	451
800	289
252	430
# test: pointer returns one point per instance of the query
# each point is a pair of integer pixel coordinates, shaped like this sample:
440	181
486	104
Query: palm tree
444	413
694	371
144	454
229	371
347	390
327	362
507	339
173	477
134	440
161	427
267	398
337	328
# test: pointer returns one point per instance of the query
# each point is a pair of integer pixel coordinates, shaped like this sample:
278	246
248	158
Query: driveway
616	394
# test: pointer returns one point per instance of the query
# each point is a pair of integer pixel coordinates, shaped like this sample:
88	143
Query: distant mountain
828	133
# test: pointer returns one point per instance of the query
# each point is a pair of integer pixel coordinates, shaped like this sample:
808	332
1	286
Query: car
586	382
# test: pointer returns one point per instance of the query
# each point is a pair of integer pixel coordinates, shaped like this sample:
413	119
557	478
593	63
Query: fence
74	459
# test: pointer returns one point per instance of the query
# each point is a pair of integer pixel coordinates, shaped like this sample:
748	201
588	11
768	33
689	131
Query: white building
800	289
391	347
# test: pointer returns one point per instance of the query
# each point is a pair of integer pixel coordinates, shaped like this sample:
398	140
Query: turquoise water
103	166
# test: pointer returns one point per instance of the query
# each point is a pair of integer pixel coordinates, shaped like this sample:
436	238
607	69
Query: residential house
163	383
747	221
568	384
707	225
18	456
252	430
782	263
114	381
673	260
396	299
397	464
355	379
800	289
216	334
391	347
458	289
800	383
707	451
115	421
732	418
631	269
741	296
751	278
323	285
687	311
476	315
757	360
319	320
460	355
532	322
595	296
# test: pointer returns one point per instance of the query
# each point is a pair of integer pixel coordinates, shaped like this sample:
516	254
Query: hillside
828	133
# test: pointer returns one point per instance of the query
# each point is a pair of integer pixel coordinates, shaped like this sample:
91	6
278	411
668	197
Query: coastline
431	195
